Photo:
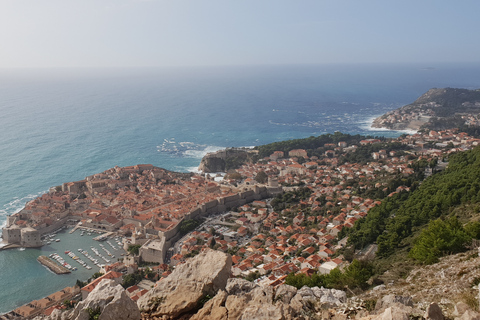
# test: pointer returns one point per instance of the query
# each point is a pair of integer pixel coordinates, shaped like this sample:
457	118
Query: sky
150	33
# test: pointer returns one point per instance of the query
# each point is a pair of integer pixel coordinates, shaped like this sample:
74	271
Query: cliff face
224	160
211	163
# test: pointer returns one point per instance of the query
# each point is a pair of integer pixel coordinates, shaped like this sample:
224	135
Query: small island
437	109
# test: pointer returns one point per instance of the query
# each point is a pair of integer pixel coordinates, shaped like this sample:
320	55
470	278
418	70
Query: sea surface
60	125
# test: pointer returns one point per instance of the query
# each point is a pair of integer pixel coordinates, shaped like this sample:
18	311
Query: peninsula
437	109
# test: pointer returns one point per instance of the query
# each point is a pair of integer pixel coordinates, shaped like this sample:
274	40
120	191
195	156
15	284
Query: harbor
22	263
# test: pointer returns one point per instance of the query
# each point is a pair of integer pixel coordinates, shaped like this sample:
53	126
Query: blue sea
59	125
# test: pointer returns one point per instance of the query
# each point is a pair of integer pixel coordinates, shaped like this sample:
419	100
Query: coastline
369	126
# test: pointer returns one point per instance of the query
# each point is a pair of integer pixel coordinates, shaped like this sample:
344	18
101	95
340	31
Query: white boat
57	240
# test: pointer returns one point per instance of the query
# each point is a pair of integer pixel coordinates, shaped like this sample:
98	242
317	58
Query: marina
26	265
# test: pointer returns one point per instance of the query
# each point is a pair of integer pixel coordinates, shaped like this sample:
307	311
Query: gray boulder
182	290
391	299
109	300
331	297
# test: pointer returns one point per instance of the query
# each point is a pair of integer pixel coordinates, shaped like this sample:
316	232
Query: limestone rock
285	293
393	313
469	315
433	312
111	301
460	308
330	297
246	300
214	309
379	287
390	299
181	291
237	286
265	312
246	303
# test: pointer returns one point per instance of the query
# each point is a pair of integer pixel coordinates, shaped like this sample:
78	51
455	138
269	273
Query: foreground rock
245	300
108	301
183	290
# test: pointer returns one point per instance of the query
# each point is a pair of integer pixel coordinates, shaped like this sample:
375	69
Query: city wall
215	206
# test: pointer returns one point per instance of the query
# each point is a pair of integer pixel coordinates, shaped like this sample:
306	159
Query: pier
47	262
103	236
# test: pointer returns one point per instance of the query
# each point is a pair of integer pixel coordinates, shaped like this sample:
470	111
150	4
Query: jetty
78	225
50	264
103	236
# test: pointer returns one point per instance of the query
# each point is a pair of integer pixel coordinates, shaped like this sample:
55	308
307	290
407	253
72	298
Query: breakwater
47	262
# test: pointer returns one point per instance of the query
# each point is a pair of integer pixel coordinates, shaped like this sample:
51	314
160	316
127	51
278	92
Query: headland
437	109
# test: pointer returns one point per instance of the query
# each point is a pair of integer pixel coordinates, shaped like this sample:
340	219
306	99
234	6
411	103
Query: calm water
24	279
62	125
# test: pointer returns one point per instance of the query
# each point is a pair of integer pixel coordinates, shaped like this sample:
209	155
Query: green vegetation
134	248
236	159
188	225
133	278
354	276
80	283
253	276
69	304
392	224
450	101
192	254
313	145
93	314
290	198
96	275
439	238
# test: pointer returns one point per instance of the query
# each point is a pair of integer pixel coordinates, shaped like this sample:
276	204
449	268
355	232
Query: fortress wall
57	225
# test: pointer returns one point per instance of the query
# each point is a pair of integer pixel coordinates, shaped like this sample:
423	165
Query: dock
103	236
78	225
50	264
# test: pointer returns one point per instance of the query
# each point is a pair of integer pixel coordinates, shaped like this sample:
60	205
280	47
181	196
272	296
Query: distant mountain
437	109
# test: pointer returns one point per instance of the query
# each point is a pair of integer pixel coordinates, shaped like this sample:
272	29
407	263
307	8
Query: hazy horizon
160	33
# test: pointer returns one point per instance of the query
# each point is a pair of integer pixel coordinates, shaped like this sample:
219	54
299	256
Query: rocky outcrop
390	299
245	300
182	291
223	160
108	301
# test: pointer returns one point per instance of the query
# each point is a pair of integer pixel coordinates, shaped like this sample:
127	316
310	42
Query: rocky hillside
224	160
437	109
203	289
